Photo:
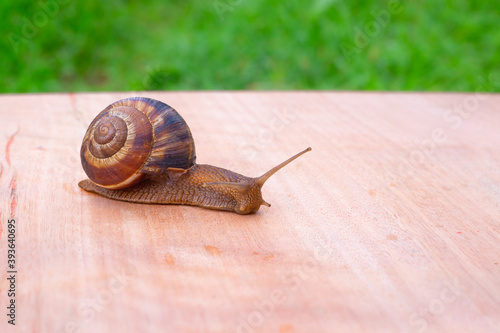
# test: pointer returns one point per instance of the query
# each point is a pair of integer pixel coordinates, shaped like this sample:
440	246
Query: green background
64	45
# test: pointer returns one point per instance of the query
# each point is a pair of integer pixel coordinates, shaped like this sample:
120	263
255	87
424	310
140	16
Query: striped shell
135	137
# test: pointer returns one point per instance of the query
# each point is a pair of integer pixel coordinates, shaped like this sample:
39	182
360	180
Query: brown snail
141	150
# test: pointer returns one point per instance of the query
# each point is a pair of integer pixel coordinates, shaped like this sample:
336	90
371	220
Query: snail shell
133	138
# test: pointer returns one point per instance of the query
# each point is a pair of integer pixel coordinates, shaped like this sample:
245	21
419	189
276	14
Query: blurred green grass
236	44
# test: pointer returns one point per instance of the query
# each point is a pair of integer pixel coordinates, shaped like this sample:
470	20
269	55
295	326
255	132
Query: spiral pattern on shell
135	137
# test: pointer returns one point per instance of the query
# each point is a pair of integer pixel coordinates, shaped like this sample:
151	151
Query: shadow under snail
141	150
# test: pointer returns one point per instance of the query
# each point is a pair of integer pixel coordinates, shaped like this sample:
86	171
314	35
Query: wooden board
390	224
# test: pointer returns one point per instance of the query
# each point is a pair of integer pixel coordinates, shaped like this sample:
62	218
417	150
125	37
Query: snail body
141	150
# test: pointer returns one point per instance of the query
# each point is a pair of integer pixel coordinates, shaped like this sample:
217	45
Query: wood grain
390	224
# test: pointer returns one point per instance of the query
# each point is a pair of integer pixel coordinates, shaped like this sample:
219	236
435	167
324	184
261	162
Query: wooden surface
390	224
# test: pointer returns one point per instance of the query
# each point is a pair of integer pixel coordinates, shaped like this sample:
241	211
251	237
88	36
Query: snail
141	150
